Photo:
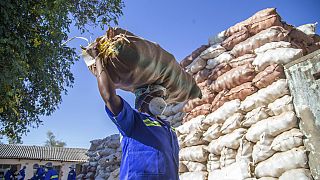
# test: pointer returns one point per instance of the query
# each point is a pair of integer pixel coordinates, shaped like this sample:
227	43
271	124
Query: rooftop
13	151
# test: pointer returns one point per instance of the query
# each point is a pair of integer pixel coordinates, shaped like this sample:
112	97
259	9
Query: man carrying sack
149	145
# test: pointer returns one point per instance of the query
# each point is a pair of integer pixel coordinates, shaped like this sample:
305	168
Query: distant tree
34	61
52	142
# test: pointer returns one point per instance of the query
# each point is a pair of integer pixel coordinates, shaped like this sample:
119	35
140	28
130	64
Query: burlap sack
268	76
201	175
219	70
241	92
297	174
219	100
188	127
228	156
266	95
288	140
188	60
222	58
272	126
245	150
242	60
309	29
212	52
191	104
133	62
195	166
197	65
237	170
232	123
216	39
276	56
281	162
213	165
281	105
272	34
194	138
254	116
234	77
262	150
255	18
202	75
222	113
272	45
181	141
236	38
194	153
231	140
212	133
203	109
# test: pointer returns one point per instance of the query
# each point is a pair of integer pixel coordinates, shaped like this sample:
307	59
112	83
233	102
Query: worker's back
149	146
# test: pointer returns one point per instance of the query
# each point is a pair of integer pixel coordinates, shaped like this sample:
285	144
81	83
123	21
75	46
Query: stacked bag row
245	126
104	159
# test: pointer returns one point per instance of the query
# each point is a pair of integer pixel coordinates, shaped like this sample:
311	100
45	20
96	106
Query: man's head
36	166
151	99
48	165
72	167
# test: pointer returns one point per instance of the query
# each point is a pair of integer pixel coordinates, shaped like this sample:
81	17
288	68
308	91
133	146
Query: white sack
309	29
213	157
281	105
222	58
212	52
181	141
266	95
231	140
213	165
192	125
212	133
281	162
194	138
272	126
222	113
228	156
200	175
254	116
296	174
195	166
245	150
232	123
196	65
272	45
262	150
236	171
276	56
217	38
194	153
287	140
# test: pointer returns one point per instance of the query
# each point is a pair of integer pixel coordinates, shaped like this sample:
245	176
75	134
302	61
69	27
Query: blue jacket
51	175
39	174
22	172
9	175
72	175
149	146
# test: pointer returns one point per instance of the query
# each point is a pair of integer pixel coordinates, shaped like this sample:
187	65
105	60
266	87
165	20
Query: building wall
29	164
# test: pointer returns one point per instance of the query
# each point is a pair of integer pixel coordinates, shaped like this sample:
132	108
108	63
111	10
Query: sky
179	27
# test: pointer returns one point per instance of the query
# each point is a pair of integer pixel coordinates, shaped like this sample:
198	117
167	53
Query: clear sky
179	27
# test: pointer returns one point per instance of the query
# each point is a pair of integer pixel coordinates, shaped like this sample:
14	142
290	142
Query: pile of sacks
104	159
245	127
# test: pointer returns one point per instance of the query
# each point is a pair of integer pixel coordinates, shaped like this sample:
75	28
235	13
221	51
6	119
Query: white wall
29	164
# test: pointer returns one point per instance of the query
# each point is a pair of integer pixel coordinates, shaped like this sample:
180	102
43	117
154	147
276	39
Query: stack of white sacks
104	159
246	127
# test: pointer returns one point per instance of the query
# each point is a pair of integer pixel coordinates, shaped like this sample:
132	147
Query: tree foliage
34	62
52	142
